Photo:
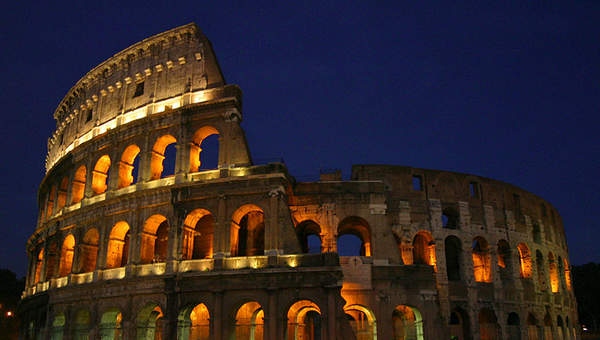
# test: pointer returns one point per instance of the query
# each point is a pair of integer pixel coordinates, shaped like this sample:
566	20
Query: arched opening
504	260
524	260
536	233
62	193
198	235
482	262
118	246
488	324
347	245
110	325
407	323
560	328
249	322
193	323
38	266
248	231
204	149
513	326
50	202
158	168
66	256
548	327
459	325
424	249
450	218
100	175
154	240
58	327
127	166
78	186
567	274
532	328
309	234
149	323
362	321
539	261
52	258
303	321
553	269
89	251
453	251
81	325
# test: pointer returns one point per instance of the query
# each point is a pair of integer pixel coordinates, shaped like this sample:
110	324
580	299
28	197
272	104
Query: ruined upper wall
169	70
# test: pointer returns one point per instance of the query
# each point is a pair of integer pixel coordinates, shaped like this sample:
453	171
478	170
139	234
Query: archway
424	249
78	186
38	266
524	260
66	256
309	234
488	324
127	166
459	324
359	228
453	251
110	325
198	235
118	245
513	326
567	274
304	321
154	240
158	156
504	260
407	323
58	327
149	323
249	322
482	262
193	323
100	175
248	231
553	269
89	251
204	158
362	321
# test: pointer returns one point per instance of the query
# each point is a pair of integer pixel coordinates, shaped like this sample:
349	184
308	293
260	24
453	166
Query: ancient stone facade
125	248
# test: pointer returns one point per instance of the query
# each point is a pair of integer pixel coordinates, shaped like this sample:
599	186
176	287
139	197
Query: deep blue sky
502	90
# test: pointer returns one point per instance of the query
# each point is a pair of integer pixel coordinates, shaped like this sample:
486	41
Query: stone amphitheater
140	237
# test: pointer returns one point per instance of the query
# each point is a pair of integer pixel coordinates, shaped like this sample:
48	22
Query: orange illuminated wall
100	175
154	240
50	203
198	235
195	146
62	193
78	187
118	245
158	155
247	231
89	251
424	249
553	268
524	260
126	165
66	256
249	322
567	274
38	266
482	264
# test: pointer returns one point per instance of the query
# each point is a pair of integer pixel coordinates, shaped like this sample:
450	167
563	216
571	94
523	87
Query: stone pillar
144	173
271	317
217	318
272	246
331	313
88	192
102	247
44	260
222	235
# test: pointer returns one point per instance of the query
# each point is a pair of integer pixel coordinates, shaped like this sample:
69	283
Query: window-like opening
504	260
249	322
417	183
450	218
164	148
362	321
78	186
482	262
149	323
309	234
424	249
126	166
453	250
474	189
194	323
38	266
350	231
118	246
81	325
567	274
100	175
62	193
459	325
66	256
539	260
198	235
488	324
524	260
537	234
303	321
90	114
204	149
110	325
407	323
89	251
154	240
139	89
553	269
248	231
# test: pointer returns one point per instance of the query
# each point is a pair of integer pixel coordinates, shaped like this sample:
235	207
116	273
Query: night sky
504	90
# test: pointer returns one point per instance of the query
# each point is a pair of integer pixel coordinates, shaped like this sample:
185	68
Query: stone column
217	318
88	192
272	246
144	163
271	317
331	313
222	235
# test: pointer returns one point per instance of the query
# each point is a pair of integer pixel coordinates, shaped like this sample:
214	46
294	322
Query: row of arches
160	163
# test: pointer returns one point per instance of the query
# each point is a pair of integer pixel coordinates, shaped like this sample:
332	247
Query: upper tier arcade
169	70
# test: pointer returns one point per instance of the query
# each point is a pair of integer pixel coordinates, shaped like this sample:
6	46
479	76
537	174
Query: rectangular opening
89	116
139	89
417	183
474	189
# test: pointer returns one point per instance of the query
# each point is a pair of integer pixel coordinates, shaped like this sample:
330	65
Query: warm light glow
126	165
118	245
524	260
158	155
9	313
482	263
195	145
100	175
78	185
66	256
553	268
424	249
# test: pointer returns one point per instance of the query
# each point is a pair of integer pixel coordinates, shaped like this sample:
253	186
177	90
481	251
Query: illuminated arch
303	321
62	193
111	324
126	165
193	323
38	266
357	227
149	323
66	255
482	262
78	185
362	321
407	323
309	235
249	322
424	249
195	146
553	269
198	235
89	251
158	155
118	245
459	324
248	231
567	274
525	260
503	255
100	175
154	240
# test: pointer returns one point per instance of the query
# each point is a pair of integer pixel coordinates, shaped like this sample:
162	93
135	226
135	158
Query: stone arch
524	260
196	145
363	322
453	254
158	155
61	200
553	270
154	240
81	324
111	324
459	324
198	235
482	262
407	323
58	326
309	235
100	175
66	255
424	249
248	231
89	251
513	326
488	324
359	228
118	245
78	185
504	259
38	266
193	323
149	322
127	167
249	321
304	321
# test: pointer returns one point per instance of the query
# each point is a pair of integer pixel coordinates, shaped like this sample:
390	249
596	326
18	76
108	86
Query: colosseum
139	236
